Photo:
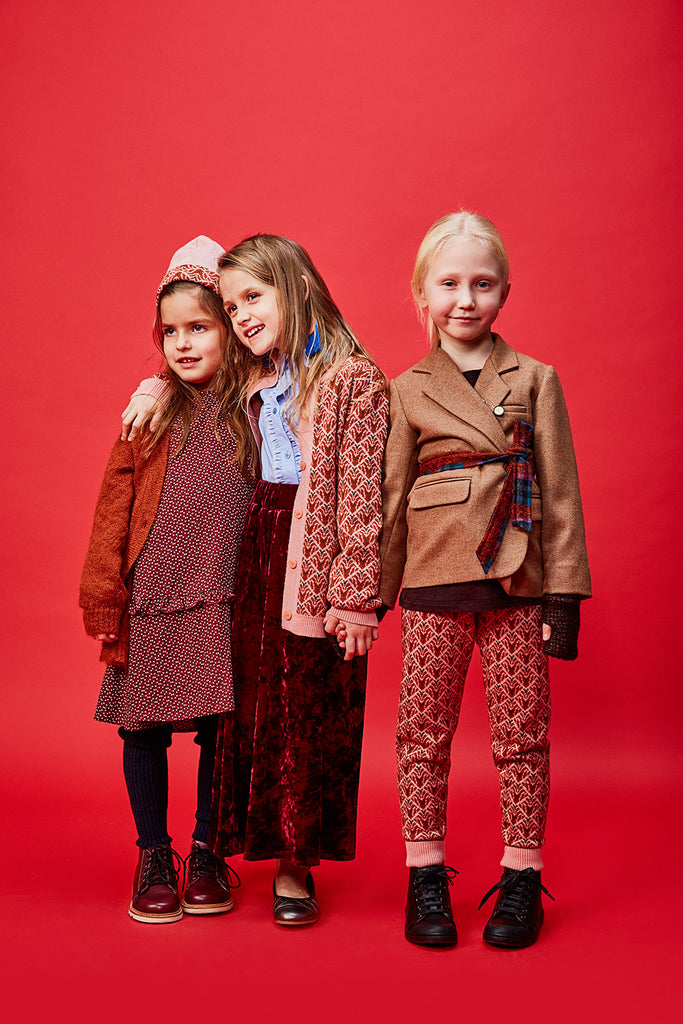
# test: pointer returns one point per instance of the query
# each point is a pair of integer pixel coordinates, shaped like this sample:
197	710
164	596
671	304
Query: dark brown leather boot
155	887
518	913
429	918
210	880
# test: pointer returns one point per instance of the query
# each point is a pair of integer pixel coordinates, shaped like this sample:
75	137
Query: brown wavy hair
303	298
227	383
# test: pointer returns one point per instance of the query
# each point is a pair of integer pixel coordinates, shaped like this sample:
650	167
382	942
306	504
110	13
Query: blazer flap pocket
439	489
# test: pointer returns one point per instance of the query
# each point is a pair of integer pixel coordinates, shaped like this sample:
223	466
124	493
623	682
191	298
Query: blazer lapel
474	406
502	358
493	384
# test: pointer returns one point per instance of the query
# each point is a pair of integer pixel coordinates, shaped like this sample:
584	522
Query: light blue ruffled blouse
280	453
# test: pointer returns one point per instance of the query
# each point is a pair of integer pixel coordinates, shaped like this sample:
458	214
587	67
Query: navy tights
145	769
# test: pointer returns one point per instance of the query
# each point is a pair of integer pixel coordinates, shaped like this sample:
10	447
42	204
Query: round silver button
499	410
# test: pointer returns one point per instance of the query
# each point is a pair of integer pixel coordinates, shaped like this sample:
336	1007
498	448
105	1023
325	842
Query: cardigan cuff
156	387
359	618
102	620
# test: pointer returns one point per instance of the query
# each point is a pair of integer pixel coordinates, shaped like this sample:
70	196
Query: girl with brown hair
159	579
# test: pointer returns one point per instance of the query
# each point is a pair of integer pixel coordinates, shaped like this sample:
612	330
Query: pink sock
519	857
422	854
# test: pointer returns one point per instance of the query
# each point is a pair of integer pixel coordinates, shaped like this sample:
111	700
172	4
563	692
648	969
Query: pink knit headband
196	262
193	273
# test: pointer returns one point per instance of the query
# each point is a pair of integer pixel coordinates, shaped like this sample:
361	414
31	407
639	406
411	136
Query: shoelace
519	890
202	862
432	896
161	869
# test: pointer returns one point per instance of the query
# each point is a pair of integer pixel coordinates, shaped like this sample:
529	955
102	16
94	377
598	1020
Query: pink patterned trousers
437	649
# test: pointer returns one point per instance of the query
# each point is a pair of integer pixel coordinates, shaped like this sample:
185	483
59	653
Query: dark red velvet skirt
287	763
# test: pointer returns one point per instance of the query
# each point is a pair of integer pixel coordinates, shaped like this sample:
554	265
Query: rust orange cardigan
126	507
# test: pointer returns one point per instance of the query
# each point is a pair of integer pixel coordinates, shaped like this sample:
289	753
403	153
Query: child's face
253	309
463	291
193	339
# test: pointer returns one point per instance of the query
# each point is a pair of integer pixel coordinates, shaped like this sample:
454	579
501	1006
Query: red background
128	129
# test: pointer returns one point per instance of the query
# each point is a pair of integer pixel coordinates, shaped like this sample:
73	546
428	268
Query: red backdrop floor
129	128
608	951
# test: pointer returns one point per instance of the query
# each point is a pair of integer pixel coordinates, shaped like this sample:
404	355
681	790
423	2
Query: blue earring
313	344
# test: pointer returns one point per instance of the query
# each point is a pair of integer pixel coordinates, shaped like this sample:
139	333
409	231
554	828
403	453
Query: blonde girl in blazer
483	523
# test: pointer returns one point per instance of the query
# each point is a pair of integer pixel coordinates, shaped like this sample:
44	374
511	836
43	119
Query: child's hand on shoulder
105	638
140	409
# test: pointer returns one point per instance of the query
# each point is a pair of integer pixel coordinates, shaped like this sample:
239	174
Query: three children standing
481	519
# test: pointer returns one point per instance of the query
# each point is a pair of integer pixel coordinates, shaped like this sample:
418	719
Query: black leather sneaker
518	913
429	917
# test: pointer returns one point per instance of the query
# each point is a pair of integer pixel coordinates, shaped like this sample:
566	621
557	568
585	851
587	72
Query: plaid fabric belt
514	501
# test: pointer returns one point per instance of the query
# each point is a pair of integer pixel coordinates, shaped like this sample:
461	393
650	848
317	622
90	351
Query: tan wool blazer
434	523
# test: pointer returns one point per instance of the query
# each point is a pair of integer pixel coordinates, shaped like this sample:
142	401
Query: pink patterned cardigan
333	555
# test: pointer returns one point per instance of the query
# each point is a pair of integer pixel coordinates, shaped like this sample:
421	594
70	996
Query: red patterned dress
180	660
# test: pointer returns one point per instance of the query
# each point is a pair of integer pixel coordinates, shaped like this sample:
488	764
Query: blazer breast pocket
438	489
517	412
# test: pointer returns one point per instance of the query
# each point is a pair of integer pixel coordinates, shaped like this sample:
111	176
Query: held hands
354	638
139	410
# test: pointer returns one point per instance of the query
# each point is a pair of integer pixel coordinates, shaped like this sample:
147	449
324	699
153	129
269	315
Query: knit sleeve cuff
359	618
156	387
562	612
102	620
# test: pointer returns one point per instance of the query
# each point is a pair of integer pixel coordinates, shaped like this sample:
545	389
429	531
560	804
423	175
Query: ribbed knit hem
158	387
358	618
303	625
102	620
421	855
518	858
